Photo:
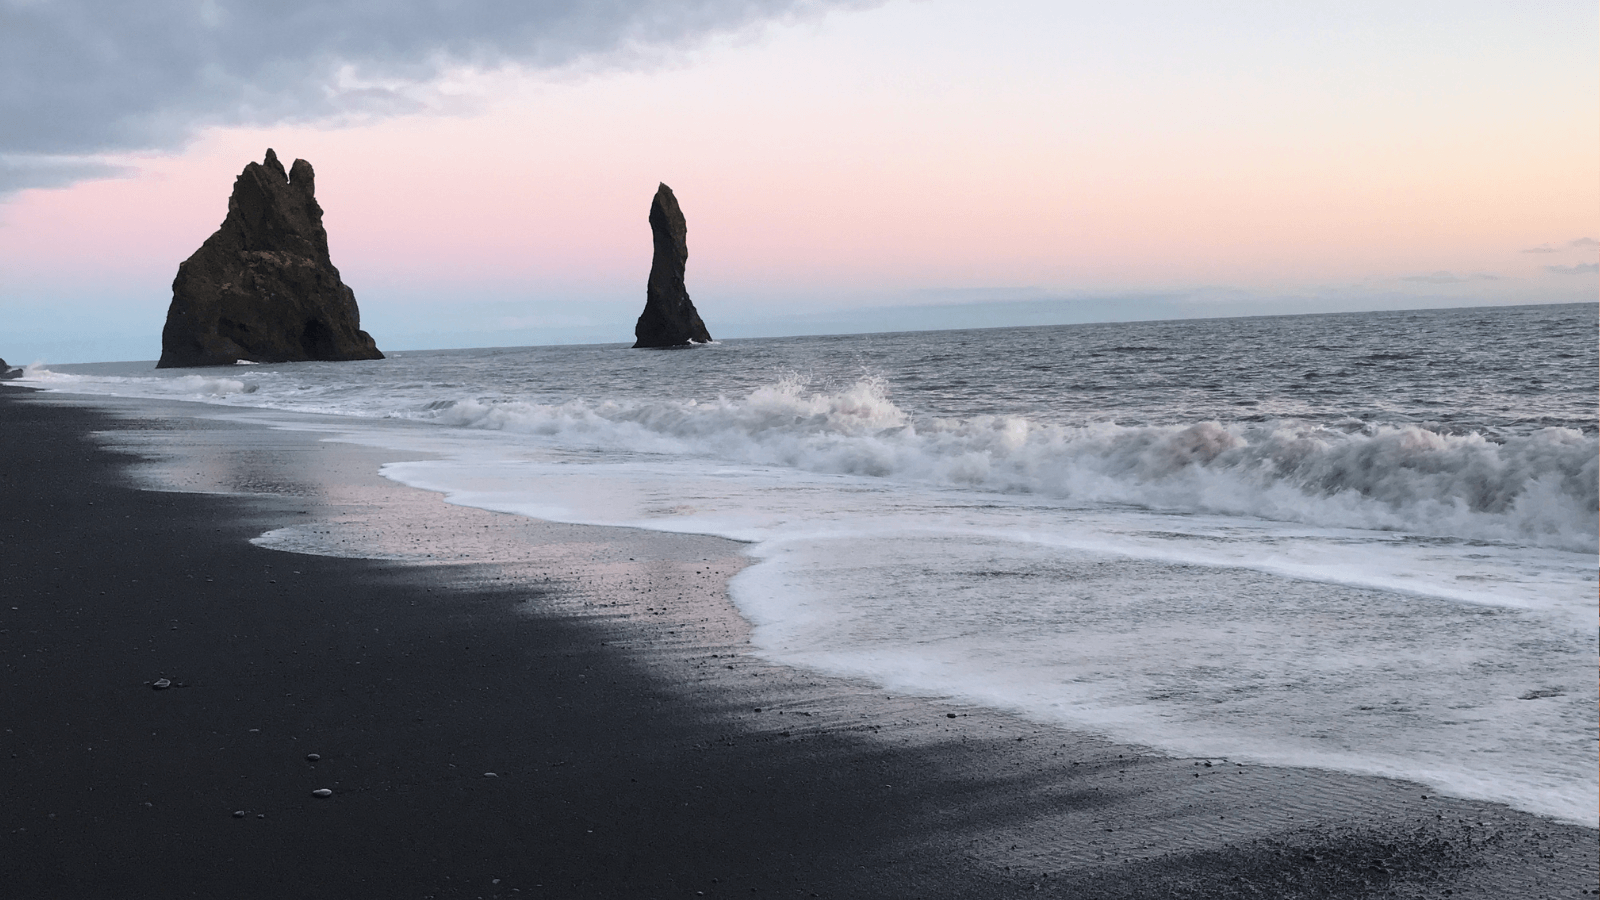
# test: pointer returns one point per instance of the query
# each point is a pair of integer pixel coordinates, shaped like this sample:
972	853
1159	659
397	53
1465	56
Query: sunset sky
486	171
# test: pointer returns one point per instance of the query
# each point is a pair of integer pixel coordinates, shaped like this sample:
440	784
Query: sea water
1365	542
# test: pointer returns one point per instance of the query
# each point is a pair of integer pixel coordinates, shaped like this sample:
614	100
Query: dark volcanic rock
669	318
262	287
7	373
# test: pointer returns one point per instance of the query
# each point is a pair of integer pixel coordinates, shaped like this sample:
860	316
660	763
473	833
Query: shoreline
604	677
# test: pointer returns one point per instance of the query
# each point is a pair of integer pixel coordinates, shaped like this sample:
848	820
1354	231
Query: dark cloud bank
80	78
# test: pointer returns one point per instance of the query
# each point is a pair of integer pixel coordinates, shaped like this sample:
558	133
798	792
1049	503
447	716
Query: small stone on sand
313	757
238	814
160	684
322	792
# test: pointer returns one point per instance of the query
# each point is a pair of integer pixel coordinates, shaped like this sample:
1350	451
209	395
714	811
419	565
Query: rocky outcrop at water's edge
262	288
669	318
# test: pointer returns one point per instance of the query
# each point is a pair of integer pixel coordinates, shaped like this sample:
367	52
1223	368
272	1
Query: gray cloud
85	77
1579	269
1543	248
22	171
1450	277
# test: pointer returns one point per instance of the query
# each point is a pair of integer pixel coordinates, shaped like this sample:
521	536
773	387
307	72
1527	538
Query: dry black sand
627	761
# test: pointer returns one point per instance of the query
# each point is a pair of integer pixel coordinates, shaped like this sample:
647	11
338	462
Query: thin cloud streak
1449	278
1583	243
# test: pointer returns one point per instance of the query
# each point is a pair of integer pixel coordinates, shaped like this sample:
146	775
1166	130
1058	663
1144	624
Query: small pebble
238	814
313	757
490	775
322	792
160	684
949	715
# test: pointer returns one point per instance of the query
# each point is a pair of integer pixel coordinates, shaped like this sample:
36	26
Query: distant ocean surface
1365	542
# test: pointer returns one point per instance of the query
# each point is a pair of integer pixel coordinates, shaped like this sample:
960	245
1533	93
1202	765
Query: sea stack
669	318
262	289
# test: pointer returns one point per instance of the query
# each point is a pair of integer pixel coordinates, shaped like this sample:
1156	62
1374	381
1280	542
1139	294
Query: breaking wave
200	387
1540	488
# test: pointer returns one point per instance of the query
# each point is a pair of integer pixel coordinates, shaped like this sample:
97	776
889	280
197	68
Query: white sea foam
195	387
1540	488
1205	635
1198	660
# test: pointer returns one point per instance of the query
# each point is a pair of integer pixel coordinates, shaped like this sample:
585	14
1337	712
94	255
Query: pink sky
874	157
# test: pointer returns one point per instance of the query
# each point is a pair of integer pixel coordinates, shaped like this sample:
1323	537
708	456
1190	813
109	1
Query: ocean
1363	542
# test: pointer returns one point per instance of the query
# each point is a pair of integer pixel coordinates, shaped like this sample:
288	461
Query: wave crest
186	386
1542	488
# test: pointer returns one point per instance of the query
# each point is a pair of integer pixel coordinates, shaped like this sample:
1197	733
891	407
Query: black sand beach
636	749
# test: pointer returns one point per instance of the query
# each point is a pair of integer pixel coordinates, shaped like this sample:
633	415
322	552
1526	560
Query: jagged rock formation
7	373
669	318
262	287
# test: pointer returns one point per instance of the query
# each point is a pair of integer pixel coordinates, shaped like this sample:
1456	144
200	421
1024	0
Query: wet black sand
628	757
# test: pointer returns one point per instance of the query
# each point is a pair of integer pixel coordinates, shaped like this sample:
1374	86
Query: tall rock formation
669	318
262	287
